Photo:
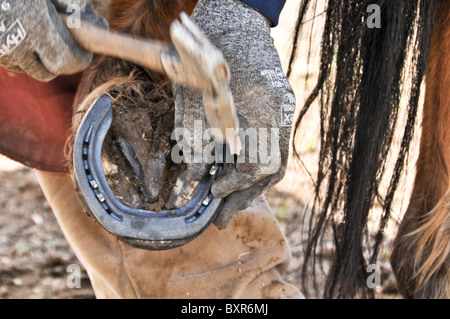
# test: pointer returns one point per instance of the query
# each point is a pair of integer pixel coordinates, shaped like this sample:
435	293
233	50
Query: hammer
192	61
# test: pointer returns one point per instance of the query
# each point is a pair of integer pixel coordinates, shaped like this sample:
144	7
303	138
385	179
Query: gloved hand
263	99
34	40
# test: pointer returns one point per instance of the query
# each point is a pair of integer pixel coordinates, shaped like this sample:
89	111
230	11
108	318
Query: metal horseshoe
158	230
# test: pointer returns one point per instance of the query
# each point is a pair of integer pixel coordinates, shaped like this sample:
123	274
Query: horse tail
363	69
421	254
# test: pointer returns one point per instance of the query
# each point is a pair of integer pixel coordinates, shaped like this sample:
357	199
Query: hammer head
195	62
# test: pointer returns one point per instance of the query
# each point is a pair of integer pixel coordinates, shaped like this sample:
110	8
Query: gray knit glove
263	99
34	40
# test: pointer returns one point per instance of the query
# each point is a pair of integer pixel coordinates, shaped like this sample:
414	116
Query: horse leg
246	260
421	252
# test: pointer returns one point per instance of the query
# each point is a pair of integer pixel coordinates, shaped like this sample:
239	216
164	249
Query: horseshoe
142	228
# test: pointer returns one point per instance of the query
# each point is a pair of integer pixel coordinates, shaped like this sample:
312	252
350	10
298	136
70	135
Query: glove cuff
270	9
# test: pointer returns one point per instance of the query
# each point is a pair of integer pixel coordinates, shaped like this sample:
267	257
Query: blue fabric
271	9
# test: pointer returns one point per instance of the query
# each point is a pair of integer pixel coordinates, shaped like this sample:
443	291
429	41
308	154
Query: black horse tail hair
363	71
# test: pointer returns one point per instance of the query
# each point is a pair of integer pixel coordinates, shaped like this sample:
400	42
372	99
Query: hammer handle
146	53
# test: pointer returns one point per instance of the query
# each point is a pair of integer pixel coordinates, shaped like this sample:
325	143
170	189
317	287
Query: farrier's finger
233	178
239	201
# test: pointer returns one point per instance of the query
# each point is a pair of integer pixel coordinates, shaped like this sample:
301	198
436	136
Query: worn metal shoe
129	184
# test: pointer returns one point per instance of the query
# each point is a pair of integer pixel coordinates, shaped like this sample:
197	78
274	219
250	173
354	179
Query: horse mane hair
363	72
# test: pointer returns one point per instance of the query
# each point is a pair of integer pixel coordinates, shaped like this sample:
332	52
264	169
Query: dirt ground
34	256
